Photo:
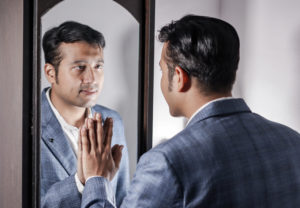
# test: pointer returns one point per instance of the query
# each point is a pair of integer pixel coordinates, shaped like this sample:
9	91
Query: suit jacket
59	163
227	156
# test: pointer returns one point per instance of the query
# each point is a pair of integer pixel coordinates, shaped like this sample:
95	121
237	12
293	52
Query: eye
99	67
79	67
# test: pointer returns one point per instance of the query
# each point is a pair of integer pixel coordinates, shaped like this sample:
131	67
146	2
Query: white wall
121	32
270	59
269	67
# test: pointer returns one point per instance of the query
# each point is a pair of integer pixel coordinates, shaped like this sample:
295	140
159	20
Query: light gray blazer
58	160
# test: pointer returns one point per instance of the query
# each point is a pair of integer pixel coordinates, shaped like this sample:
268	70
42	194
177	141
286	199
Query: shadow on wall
130	75
296	83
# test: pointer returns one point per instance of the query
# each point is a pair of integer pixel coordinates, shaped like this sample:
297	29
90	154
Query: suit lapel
54	138
219	108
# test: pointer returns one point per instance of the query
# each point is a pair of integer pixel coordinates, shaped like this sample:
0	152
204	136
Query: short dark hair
68	32
206	48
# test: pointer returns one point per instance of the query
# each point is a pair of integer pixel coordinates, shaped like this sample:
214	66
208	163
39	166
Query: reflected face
80	75
164	81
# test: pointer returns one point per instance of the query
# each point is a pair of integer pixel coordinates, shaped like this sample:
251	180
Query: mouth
88	91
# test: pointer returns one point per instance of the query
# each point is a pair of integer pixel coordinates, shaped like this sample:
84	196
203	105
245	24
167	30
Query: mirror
268	72
124	57
121	54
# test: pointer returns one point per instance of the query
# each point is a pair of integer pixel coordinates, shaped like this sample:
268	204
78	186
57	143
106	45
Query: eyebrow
84	61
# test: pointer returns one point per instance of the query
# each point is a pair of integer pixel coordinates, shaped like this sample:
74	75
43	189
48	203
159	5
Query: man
74	68
226	156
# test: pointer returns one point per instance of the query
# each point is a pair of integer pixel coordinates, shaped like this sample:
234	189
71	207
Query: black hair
206	48
68	32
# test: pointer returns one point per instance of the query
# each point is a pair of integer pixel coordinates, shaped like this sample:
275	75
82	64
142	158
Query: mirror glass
121	58
268	72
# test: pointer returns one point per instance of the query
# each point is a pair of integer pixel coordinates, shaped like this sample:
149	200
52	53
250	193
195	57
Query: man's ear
181	79
50	73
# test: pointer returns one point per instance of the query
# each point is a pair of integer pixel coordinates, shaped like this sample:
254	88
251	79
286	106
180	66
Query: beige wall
11	53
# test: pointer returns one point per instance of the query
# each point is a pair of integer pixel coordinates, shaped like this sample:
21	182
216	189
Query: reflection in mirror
268	71
119	92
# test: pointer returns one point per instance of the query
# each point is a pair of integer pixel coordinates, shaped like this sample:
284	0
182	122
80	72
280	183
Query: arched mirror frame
143	12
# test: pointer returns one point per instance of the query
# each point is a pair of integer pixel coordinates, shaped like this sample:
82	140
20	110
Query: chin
87	104
90	104
174	113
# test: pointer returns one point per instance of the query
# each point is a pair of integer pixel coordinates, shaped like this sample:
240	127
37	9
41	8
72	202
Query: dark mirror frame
143	11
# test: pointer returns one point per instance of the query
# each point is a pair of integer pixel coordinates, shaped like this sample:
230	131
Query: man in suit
227	156
74	67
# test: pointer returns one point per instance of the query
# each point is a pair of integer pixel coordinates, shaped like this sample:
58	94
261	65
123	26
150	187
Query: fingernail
122	147
98	116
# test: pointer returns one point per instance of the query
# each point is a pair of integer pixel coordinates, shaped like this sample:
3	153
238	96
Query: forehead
80	50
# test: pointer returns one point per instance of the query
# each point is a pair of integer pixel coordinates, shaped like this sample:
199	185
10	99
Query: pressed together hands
95	156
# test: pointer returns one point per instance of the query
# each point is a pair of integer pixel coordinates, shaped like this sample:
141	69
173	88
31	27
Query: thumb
117	154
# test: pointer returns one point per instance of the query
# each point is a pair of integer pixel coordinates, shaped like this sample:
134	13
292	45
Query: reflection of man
74	67
226	156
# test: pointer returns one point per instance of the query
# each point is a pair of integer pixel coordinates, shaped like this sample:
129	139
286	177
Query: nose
88	76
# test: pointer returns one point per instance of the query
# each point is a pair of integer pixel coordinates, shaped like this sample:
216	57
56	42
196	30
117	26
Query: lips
88	91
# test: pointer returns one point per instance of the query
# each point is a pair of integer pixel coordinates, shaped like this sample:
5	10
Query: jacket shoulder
107	112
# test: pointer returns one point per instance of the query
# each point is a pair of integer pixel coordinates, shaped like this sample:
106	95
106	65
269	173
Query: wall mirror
128	55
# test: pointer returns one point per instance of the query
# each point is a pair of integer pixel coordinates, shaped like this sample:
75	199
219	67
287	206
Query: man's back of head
206	48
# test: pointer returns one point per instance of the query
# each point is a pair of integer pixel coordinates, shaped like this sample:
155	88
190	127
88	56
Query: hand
98	158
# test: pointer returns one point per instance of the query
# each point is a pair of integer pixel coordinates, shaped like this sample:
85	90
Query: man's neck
73	115
199	101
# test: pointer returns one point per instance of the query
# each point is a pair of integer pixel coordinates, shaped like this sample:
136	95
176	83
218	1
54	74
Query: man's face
164	82
80	75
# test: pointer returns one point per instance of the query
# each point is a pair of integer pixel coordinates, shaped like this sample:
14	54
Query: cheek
100	80
162	85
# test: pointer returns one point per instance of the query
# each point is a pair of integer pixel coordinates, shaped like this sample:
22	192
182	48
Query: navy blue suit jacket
227	156
59	163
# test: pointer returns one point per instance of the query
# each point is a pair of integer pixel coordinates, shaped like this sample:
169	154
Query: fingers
85	144
117	154
108	135
99	130
97	138
105	126
79	143
79	159
92	135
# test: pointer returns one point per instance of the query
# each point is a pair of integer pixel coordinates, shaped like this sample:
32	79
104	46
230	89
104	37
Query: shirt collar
60	119
206	104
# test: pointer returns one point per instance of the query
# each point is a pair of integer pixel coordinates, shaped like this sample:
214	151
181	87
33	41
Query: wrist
79	184
80	178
